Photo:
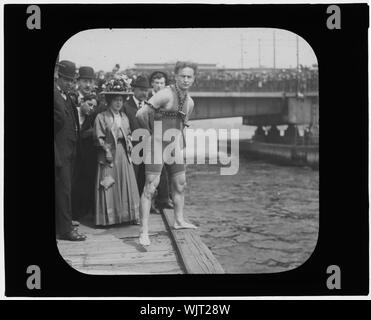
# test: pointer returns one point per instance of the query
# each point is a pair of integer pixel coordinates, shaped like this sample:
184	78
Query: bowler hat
86	73
158	74
66	69
141	82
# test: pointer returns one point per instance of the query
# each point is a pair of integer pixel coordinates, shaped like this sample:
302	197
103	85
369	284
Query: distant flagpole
274	49
241	51
297	52
297	65
259	53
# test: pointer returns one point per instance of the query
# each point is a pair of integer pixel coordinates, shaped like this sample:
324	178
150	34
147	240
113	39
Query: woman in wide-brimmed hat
117	196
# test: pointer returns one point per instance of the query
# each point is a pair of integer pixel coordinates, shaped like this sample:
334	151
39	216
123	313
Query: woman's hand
109	157
129	145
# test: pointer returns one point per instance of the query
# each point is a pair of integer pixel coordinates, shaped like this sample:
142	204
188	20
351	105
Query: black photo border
29	58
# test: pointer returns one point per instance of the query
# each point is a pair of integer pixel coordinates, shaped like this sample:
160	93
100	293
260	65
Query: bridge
261	109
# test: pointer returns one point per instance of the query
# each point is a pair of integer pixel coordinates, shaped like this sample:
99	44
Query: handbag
107	181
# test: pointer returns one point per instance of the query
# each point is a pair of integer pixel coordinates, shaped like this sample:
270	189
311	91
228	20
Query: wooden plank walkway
116	251
194	254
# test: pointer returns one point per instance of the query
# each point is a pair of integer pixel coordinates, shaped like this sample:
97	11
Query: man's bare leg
145	207
178	186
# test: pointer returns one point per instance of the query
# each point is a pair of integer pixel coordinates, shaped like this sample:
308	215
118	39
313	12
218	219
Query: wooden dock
115	250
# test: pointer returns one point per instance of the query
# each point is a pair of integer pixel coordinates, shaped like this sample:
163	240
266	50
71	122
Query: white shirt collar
79	98
61	92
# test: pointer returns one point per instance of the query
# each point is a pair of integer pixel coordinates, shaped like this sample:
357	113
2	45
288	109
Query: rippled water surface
264	219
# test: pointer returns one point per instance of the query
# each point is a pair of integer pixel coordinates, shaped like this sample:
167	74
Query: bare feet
136	222
144	239
184	225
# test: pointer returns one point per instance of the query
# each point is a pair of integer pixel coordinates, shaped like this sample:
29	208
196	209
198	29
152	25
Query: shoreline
299	155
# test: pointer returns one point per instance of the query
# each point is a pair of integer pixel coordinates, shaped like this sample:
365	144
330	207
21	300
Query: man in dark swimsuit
171	107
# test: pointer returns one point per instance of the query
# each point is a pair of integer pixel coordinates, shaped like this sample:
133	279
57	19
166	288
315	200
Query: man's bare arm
161	98
145	114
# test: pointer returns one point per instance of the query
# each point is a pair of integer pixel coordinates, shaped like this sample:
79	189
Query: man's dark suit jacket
65	124
65	139
87	150
130	109
83	186
58	125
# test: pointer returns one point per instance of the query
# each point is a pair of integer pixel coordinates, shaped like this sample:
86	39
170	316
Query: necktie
63	94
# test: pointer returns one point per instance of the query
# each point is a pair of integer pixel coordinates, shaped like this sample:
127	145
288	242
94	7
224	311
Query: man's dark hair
158	75
185	64
110	97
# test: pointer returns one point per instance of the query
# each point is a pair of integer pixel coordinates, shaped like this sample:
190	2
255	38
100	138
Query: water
262	220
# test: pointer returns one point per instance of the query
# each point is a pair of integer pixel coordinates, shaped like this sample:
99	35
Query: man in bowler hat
66	131
140	92
86	162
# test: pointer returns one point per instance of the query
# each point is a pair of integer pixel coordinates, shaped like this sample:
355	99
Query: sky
227	47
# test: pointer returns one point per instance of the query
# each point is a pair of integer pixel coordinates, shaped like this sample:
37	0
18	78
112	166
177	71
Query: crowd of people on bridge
285	80
298	80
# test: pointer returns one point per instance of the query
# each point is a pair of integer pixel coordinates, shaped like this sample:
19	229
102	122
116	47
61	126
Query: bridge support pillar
273	135
259	134
291	135
311	135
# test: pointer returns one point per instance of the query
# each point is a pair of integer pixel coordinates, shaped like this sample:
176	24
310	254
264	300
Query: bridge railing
254	86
